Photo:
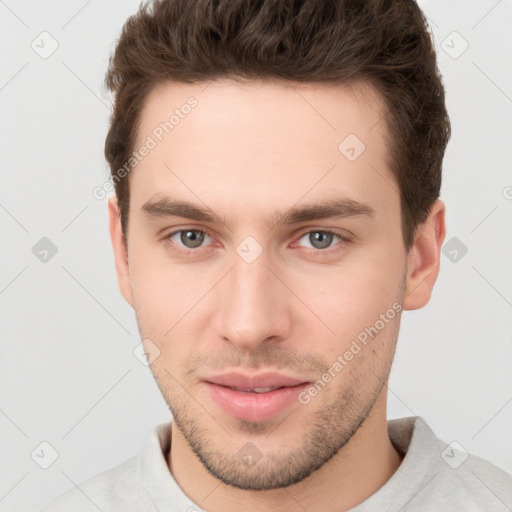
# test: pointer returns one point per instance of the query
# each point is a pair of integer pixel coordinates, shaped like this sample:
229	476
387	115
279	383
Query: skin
245	152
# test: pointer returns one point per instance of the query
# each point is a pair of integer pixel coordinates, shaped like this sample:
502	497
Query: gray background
68	373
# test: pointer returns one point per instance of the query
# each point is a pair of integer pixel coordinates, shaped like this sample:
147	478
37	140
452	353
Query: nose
252	306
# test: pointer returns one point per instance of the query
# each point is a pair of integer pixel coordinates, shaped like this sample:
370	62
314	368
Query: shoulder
470	480
116	486
125	487
435	475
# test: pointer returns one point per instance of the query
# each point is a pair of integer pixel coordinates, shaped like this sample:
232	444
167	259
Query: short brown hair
385	42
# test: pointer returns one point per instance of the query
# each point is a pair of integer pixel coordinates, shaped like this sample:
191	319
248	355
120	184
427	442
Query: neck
357	471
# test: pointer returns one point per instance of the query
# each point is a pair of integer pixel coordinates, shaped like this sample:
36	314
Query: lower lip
254	406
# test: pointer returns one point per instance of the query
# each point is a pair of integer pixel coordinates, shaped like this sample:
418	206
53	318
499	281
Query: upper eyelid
343	238
300	233
297	236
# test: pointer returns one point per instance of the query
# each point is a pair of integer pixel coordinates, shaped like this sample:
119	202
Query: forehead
263	107
262	142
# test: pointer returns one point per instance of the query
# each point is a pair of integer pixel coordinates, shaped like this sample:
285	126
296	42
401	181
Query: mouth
254	398
256	390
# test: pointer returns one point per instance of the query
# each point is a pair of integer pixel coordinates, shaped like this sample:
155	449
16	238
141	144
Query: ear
120	250
423	258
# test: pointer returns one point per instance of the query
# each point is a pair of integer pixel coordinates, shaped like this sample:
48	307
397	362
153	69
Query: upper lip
262	380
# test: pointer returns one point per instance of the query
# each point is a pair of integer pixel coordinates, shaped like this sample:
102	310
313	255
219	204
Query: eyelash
344	241
331	250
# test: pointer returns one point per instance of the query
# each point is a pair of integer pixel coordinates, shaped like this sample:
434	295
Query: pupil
192	239
320	239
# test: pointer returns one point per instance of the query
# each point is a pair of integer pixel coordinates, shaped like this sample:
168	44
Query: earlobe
423	259
120	250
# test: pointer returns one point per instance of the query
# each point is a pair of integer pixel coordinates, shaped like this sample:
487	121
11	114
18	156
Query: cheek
169	304
351	297
161	294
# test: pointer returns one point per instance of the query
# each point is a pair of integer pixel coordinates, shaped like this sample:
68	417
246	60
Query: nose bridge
251	308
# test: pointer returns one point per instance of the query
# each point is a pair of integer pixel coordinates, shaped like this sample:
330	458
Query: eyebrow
338	208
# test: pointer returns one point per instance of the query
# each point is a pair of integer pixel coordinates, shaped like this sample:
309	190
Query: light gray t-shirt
433	476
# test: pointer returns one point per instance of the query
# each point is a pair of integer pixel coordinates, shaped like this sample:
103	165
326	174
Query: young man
277	167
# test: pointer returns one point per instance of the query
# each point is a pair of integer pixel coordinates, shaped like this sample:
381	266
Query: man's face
252	291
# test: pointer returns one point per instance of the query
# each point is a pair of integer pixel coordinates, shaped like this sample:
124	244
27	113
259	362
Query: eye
189	238
320	239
